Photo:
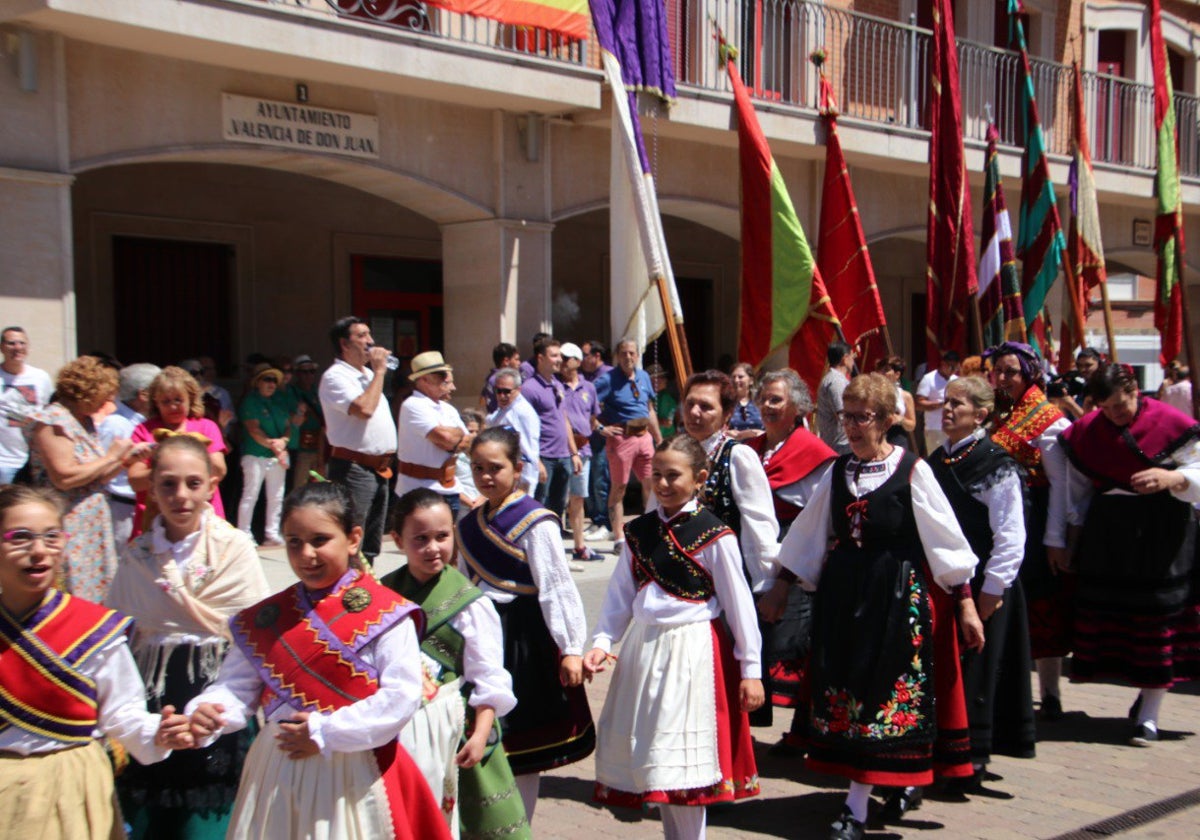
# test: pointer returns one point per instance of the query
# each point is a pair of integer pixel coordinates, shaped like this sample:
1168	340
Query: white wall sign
246	119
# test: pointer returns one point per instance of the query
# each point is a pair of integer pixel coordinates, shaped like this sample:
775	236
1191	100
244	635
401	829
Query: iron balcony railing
879	70
431	22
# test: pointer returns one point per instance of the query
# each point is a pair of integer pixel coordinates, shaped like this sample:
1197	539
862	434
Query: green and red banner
781	287
1168	227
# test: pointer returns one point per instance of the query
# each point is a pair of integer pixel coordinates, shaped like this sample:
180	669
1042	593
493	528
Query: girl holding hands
674	730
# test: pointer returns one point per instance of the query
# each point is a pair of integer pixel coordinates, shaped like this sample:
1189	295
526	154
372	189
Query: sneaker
1144	734
617	546
597	533
585	554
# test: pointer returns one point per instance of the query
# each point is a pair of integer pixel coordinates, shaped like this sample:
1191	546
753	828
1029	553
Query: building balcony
879	70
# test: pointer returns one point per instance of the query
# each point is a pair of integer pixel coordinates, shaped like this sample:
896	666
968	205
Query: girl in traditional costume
984	486
674	731
181	582
462	655
333	663
513	551
881	616
67	678
1133	478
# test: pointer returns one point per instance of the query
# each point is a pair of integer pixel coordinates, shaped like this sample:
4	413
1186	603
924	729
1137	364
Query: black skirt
157	798
996	683
550	725
1136	617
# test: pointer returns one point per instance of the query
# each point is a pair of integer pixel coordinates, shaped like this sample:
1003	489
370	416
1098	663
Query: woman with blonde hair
176	408
882	614
66	453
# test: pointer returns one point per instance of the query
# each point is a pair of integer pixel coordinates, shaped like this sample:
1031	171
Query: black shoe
783	748
900	801
961	786
1136	707
846	827
1052	709
1143	735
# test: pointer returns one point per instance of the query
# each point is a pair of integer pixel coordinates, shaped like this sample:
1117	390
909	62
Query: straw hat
266	372
430	361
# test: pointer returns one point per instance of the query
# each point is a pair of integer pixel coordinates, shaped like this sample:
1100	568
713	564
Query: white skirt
431	738
339	796
658	730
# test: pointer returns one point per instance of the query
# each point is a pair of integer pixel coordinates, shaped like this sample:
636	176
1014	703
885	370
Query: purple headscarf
1027	357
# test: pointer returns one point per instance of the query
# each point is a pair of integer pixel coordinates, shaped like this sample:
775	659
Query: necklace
951	460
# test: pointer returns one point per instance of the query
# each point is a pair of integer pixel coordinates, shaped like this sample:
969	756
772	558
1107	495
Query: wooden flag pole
887	340
675	337
1109	332
1193	373
977	321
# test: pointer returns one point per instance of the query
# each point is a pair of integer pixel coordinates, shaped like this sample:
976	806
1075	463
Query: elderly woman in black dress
984	486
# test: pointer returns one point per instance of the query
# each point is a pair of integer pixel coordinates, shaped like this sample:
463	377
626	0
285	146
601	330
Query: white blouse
1054	460
364	725
950	558
624	602
562	608
121	707
483	657
1006	517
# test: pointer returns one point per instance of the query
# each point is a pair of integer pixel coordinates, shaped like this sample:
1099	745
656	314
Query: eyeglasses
306	370
22	539
193	372
504	392
860	418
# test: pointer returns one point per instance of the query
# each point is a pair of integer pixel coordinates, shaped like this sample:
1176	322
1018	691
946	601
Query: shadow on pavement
1081	728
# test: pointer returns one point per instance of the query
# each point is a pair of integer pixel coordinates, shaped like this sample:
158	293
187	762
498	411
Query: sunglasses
504	392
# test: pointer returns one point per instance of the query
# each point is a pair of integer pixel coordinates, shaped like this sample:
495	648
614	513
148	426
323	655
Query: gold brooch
356	599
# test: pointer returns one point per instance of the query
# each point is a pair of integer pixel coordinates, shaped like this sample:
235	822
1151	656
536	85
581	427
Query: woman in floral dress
66	453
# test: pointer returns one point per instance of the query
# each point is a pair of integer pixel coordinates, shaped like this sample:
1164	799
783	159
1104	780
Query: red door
401	300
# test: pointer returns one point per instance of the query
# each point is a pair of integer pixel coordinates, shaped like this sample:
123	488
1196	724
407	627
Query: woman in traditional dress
736	490
674	731
795	461
984	487
900	433
181	582
513	552
882	615
1133	477
176	408
67	674
67	453
745	421
333	663
1027	427
462	656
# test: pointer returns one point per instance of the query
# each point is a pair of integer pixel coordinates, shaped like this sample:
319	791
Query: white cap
571	351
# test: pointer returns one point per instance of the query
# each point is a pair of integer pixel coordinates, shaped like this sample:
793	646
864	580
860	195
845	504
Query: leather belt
637	427
377	463
444	474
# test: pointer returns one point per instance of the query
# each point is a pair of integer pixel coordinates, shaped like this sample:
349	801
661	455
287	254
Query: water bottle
393	362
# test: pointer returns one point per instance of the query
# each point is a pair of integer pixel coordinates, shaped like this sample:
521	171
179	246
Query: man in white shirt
23	388
931	396
431	431
358	423
133	402
514	412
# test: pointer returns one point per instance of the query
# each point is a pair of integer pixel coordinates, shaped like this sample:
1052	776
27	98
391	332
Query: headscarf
1027	358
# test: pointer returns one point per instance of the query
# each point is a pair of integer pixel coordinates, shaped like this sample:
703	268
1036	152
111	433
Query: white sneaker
597	533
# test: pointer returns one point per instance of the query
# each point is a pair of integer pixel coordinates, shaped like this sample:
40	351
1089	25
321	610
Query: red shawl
801	453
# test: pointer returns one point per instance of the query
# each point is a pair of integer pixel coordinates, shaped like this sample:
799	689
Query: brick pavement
1084	773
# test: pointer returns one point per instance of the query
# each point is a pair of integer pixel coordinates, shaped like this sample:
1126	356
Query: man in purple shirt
582	408
593	366
556	446
504	355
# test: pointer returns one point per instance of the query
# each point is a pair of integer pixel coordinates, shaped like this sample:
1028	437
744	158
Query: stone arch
421	195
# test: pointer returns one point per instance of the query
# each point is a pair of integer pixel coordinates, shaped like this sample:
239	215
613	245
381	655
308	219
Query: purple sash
490	543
